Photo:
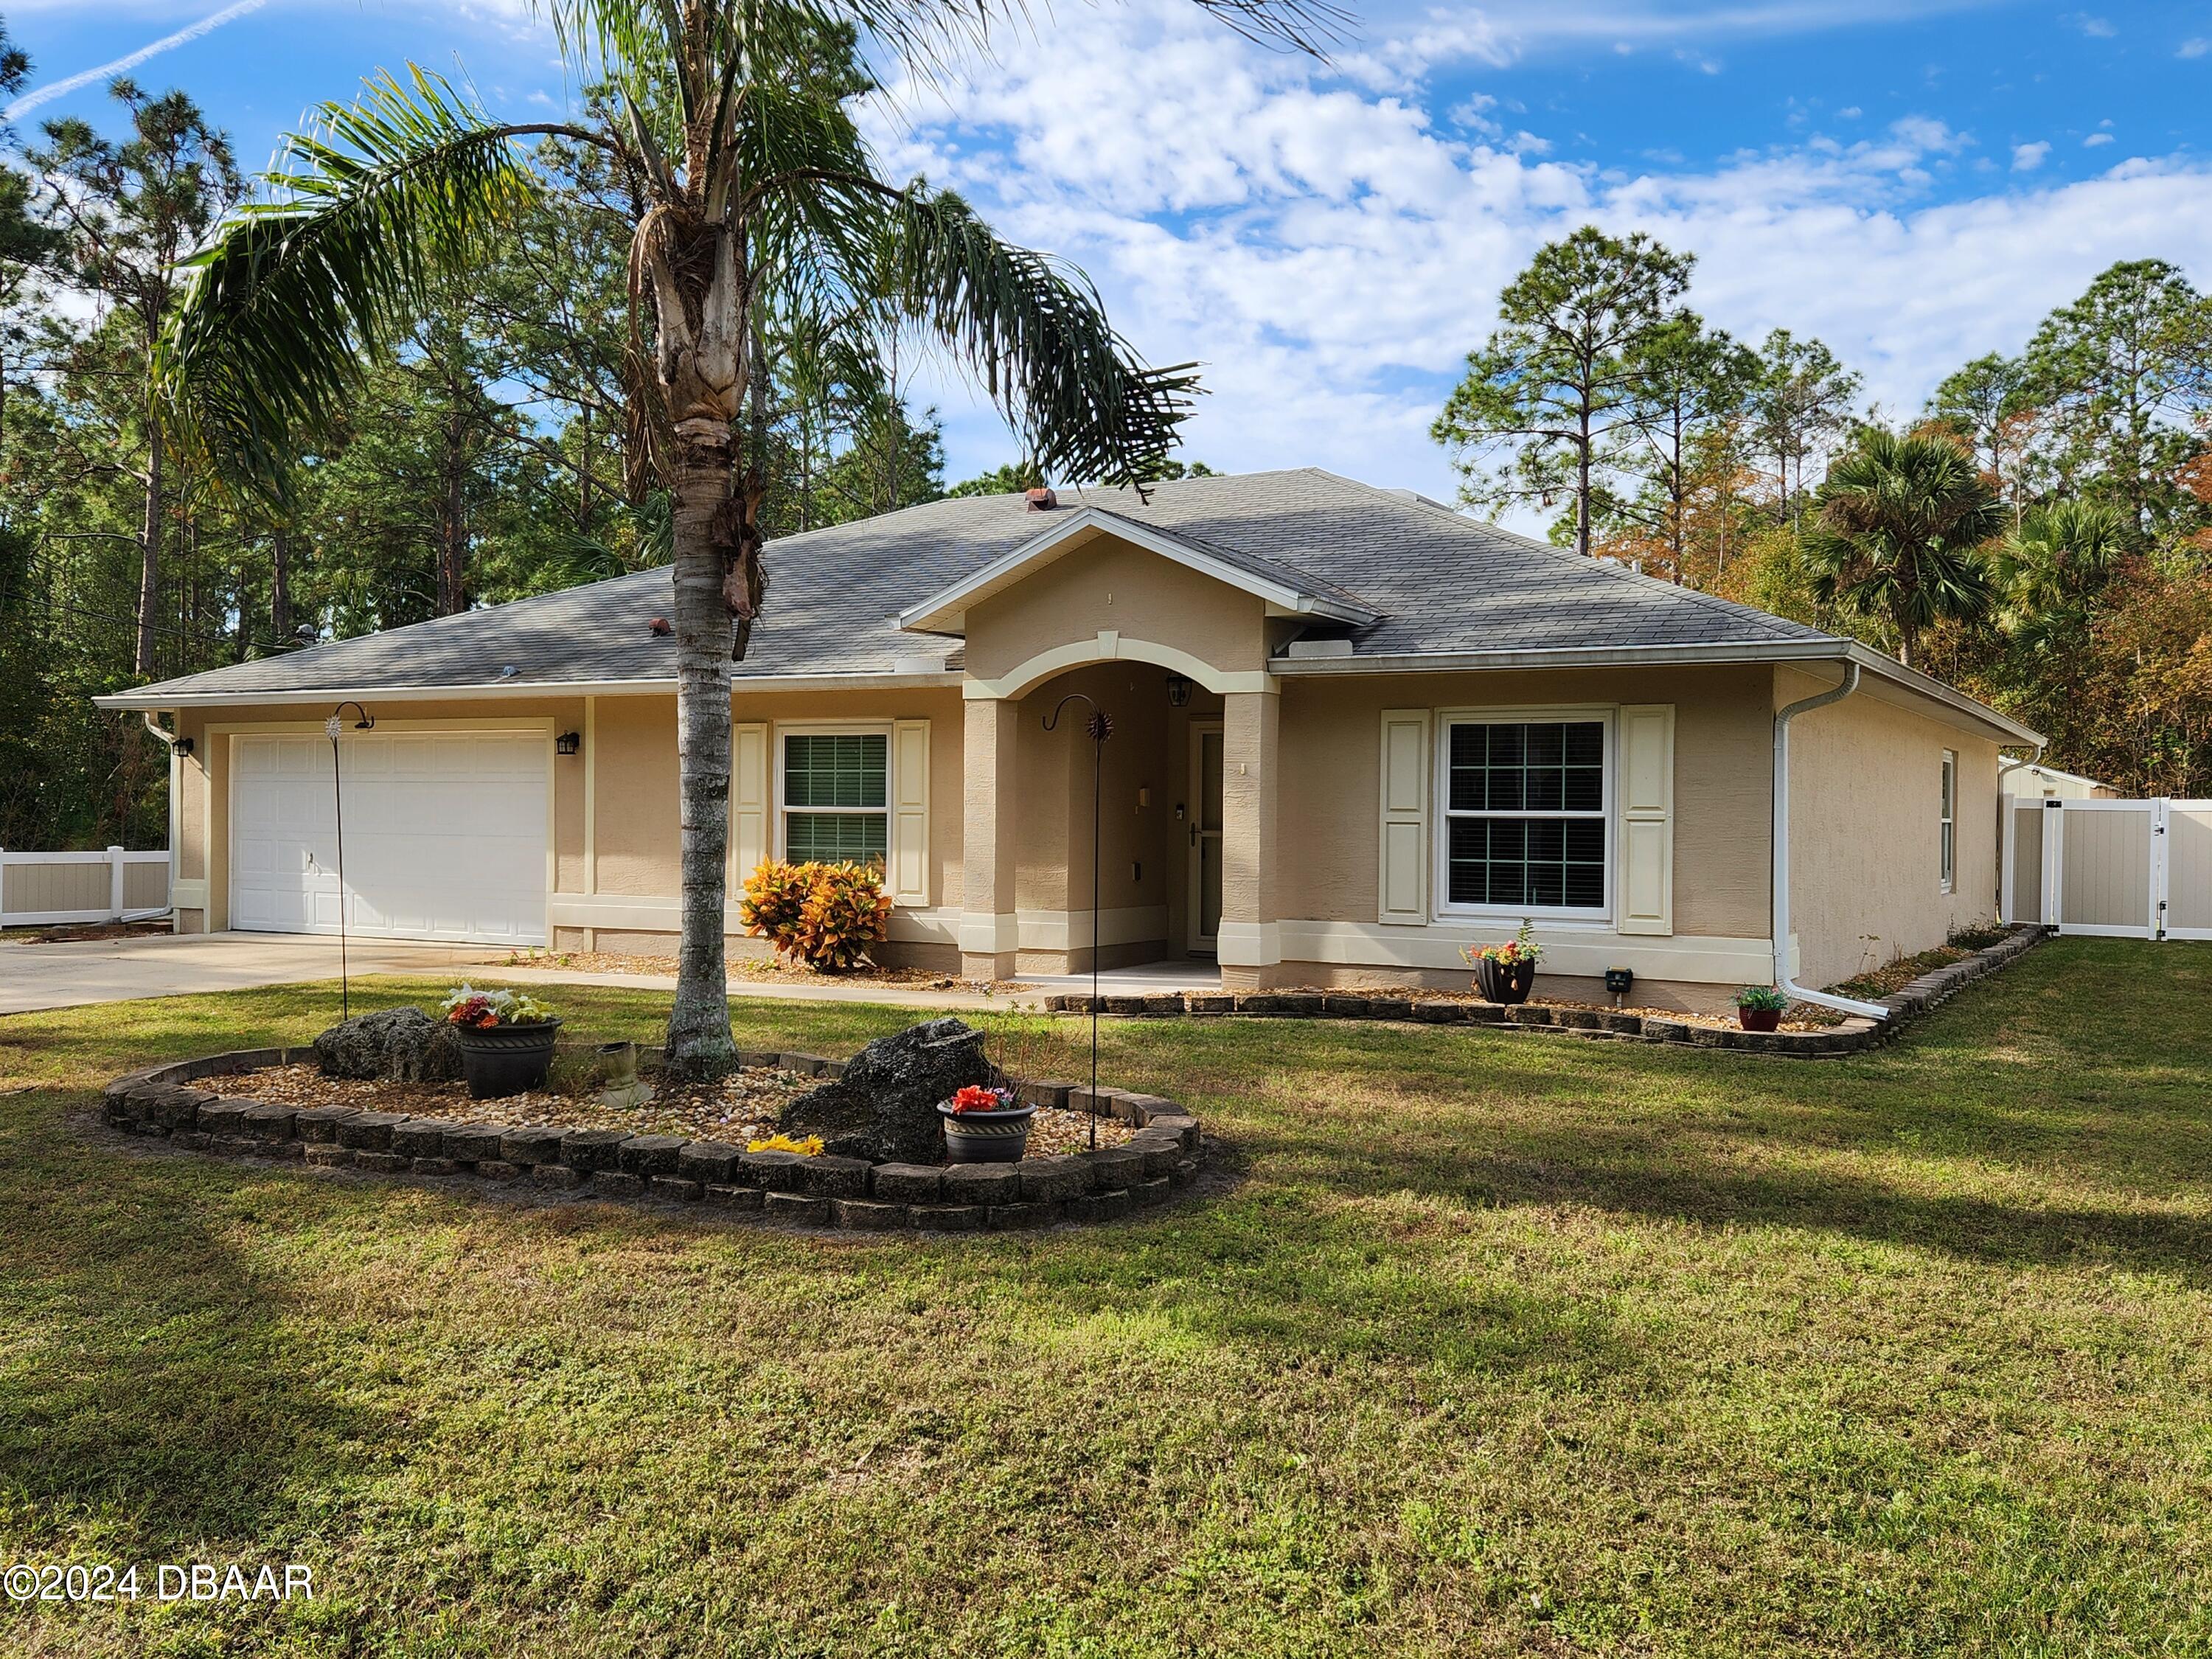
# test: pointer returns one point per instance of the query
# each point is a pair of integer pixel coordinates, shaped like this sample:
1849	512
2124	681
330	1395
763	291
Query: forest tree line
2039	534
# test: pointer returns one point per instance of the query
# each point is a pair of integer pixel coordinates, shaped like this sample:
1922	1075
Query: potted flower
982	1125
506	1038
1758	1007
1506	972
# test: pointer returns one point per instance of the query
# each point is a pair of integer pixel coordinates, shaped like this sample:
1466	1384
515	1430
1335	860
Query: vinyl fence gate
2122	869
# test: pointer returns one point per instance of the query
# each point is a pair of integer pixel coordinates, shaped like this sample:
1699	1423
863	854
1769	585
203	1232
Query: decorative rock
618	1183
592	1149
706	1161
859	1215
834	1177
436	1166
771	1171
675	1189
884	1108
797	1207
383	1163
498	1169
369	1132
401	1045
948	1217
981	1183
558	1176
531	1145
735	1198
475	1143
1098	1207
1050	1180
319	1124
268	1120
650	1155
907	1183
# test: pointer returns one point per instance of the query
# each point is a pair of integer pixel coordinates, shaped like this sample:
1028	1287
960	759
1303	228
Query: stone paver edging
1855	1033
783	1186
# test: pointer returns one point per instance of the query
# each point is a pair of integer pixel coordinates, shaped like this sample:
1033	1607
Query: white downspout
1782	981
152	718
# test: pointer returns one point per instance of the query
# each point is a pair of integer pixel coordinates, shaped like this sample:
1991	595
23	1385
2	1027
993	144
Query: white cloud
53	89
2194	48
2095	139
2025	158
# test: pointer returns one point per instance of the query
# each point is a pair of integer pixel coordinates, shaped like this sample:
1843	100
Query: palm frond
1035	333
379	202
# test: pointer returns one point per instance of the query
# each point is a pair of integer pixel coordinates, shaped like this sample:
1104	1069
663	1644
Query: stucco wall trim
1111	647
1586	952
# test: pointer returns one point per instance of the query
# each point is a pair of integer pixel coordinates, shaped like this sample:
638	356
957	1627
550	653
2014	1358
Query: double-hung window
1950	853
1526	804
835	799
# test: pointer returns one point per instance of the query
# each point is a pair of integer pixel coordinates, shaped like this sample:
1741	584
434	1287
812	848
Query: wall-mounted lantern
569	743
1178	691
182	745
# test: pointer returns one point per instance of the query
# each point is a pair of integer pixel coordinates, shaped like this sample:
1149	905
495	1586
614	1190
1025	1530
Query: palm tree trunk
699	1023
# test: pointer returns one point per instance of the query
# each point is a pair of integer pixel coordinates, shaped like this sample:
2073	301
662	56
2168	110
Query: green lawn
1500	1345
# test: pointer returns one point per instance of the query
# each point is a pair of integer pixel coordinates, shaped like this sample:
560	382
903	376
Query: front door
1205	911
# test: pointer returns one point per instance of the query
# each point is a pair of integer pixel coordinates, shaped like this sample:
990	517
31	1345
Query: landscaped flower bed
1148	1146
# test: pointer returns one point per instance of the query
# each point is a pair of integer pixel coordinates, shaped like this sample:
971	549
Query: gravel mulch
743	1107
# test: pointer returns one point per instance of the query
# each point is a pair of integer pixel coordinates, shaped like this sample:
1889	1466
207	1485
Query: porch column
989	838
1250	939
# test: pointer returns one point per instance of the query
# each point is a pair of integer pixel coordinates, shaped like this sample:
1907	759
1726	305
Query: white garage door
444	836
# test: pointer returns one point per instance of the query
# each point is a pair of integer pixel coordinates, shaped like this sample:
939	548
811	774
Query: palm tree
752	193
1896	533
2049	570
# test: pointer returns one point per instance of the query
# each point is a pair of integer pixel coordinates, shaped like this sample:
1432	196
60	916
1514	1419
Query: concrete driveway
71	974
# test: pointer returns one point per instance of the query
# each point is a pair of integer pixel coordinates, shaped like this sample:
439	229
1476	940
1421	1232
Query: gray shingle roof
1440	583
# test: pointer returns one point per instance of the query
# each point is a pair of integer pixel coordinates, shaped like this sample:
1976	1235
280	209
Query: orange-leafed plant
825	915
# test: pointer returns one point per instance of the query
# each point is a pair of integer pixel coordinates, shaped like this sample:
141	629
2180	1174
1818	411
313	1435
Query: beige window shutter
1647	818
1403	894
909	860
750	842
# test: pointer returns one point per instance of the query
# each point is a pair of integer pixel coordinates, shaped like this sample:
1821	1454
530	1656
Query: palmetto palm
2050	569
1896	531
754	193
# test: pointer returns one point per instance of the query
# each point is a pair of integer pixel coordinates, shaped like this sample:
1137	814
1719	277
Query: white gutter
153	698
1782	981
152	718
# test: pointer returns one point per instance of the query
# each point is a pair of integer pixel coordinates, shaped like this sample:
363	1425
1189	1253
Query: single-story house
1354	732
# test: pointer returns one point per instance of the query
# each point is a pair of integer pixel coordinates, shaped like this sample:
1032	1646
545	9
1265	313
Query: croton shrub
825	915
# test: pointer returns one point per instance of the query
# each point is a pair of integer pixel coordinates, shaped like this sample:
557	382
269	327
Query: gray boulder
400	1045
884	1108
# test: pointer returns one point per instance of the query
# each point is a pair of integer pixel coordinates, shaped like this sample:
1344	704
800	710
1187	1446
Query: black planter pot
506	1059
1506	983
986	1136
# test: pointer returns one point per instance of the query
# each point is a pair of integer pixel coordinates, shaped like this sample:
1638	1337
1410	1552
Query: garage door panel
445	837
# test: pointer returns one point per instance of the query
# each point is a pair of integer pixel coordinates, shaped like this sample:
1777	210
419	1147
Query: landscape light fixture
1100	725
334	728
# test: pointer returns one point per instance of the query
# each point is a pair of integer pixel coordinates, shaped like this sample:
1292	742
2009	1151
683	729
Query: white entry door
444	836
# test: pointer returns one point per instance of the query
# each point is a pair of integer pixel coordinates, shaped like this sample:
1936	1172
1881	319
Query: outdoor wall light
1178	691
182	745
569	743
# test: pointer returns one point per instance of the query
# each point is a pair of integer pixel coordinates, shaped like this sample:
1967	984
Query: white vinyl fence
2124	869
43	889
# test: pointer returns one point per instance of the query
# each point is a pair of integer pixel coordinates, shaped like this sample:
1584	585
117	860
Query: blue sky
1915	183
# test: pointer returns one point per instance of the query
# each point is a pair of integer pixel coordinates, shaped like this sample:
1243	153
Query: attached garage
446	836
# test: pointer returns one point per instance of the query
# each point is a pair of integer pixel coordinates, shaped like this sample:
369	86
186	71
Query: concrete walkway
75	972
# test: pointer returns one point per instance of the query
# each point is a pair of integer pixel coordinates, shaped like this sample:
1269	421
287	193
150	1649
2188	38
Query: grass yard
1500	1345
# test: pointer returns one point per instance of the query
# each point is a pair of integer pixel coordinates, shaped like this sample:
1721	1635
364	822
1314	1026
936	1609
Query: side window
1950	824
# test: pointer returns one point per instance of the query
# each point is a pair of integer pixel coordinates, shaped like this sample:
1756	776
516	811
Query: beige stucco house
1354	733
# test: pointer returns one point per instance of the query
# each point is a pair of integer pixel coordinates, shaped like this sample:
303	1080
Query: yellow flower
809	1147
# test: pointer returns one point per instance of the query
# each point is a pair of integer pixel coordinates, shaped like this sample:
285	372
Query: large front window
836	794
1525	814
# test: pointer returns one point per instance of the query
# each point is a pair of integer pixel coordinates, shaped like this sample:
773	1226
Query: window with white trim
835	797
1950	818
1526	806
